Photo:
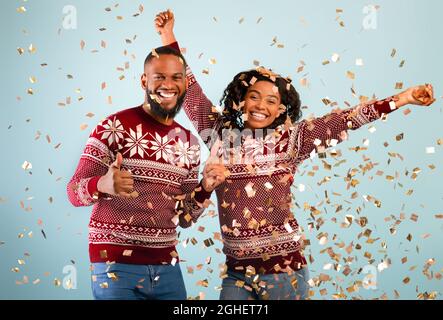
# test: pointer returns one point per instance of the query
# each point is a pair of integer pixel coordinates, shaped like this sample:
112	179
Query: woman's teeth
258	116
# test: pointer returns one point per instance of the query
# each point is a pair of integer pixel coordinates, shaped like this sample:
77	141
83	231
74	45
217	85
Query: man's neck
168	121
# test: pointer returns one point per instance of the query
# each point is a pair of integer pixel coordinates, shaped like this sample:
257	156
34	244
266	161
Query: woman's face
262	105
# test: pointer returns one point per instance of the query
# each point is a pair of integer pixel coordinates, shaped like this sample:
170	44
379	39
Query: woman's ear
144	81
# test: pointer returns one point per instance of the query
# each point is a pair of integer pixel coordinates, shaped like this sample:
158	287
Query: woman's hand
422	95
214	174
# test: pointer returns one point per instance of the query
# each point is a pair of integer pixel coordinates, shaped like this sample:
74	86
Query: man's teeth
258	116
166	95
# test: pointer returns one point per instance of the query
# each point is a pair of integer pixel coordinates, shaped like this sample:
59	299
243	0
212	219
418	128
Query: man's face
165	83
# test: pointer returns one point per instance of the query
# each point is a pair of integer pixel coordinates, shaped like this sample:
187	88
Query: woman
262	146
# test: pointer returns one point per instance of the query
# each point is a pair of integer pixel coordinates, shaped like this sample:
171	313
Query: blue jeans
277	286
137	282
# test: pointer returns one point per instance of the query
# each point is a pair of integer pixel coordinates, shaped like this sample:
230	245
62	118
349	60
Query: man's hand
164	24
422	95
117	182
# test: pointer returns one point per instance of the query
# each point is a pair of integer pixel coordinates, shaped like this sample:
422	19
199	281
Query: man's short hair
165	50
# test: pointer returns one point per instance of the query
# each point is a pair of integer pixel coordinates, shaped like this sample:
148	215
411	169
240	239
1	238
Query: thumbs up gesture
117	182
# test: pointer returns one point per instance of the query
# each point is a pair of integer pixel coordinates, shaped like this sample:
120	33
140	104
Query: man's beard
159	111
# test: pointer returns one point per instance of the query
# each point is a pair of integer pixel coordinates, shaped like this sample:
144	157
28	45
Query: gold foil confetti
103	254
127	253
350	75
32	48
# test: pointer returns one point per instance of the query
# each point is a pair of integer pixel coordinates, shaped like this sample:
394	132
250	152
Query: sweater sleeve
199	109
315	136
191	207
94	163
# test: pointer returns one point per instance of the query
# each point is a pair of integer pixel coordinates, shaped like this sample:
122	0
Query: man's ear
144	81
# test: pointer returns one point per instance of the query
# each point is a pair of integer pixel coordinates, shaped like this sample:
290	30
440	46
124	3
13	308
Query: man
139	170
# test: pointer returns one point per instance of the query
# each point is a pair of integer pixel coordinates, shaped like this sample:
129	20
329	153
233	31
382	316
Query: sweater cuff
93	189
201	194
174	45
385	106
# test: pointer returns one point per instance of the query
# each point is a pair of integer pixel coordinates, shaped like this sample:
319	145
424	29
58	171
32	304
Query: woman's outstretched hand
422	95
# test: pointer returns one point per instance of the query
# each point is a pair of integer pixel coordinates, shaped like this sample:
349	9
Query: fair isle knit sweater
259	231
164	161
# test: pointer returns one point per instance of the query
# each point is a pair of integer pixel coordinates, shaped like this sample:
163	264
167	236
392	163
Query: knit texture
164	161
259	230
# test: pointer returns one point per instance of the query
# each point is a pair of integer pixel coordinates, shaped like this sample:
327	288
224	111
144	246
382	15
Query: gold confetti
350	75
21	9
32	48
103	254
113	276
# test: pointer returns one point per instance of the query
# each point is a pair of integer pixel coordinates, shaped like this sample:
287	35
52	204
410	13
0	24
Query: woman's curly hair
236	91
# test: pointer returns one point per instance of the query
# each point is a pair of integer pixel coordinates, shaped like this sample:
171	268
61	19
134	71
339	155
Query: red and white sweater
164	161
258	228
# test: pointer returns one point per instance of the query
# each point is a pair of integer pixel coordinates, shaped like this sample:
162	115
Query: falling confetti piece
335	57
430	150
26	165
32	48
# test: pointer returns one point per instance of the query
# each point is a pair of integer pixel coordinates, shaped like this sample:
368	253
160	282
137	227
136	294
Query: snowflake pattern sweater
164	161
260	233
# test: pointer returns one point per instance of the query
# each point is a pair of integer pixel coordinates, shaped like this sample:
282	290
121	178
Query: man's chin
169	107
169	110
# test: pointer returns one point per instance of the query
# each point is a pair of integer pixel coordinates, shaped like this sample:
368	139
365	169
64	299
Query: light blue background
413	28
